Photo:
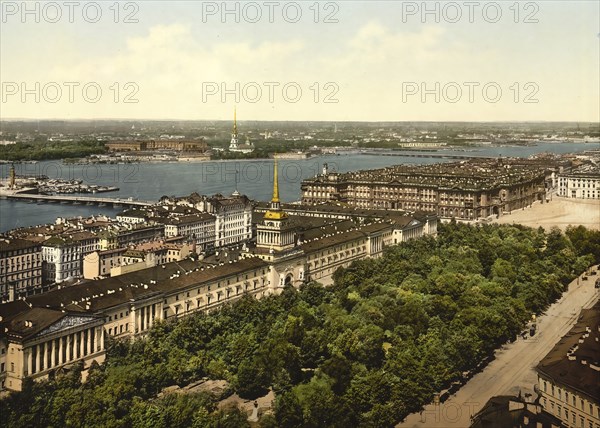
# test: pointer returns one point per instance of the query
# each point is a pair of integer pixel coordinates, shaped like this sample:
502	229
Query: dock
88	200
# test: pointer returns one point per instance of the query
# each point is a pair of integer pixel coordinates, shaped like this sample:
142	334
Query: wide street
513	369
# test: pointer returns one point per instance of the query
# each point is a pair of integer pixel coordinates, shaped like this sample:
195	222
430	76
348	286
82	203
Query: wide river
150	181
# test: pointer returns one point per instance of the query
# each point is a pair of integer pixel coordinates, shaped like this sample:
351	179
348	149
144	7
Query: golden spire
275	183
275	212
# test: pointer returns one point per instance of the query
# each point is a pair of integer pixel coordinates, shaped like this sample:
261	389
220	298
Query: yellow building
38	342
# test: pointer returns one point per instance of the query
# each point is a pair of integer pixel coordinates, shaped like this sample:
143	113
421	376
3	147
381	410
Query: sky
305	60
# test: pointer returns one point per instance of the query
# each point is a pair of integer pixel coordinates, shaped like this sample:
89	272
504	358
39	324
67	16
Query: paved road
513	369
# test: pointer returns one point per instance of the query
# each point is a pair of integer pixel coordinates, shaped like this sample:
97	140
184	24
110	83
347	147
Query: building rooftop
473	174
507	411
575	359
189	219
101	294
13	244
331	240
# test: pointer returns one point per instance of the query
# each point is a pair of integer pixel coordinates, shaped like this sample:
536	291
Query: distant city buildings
569	375
199	146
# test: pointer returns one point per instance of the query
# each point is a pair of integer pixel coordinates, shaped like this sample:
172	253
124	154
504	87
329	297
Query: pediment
67	322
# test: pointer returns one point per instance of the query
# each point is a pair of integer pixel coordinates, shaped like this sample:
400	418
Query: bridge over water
83	200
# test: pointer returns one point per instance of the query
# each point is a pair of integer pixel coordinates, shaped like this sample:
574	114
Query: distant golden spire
234	121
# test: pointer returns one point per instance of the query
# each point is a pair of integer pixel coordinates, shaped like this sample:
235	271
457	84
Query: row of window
564	396
18	267
13	253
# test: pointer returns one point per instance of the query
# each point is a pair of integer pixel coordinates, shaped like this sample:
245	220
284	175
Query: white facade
579	185
62	257
201	228
233	224
131	219
232	216
61	262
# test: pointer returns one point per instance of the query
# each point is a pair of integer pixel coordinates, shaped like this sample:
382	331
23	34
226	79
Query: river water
150	181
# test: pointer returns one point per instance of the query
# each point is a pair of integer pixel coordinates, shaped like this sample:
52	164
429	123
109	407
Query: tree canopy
366	351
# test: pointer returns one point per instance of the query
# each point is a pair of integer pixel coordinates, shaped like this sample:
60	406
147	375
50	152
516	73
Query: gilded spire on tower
275	183
275	212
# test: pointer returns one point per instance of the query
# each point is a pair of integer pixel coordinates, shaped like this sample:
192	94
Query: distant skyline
375	61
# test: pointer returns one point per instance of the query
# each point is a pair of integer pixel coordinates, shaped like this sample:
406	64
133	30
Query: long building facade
465	190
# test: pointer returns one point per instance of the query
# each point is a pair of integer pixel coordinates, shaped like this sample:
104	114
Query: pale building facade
40	341
201	228
582	183
20	268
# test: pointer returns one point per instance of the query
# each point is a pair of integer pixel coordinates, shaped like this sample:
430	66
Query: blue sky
376	61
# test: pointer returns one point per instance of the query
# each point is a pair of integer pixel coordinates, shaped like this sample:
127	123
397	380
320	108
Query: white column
37	358
52	353
60	351
81	343
29	361
89	341
76	346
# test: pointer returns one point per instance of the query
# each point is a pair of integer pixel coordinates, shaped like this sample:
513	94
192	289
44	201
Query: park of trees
365	352
46	150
